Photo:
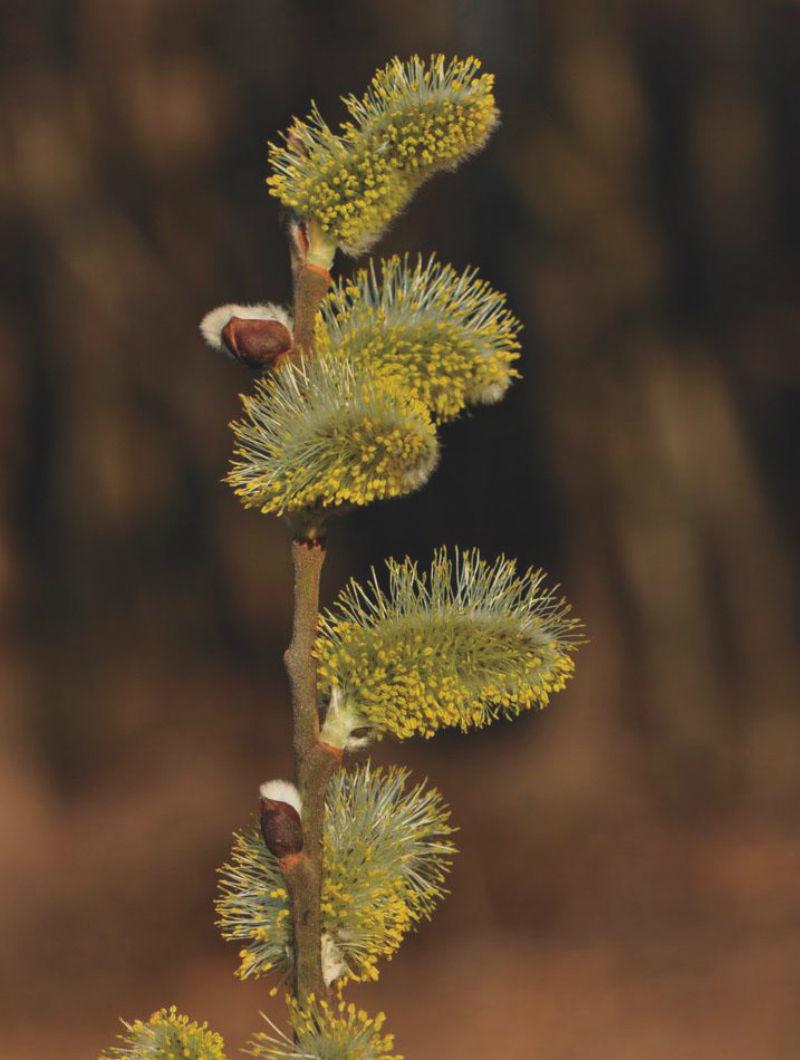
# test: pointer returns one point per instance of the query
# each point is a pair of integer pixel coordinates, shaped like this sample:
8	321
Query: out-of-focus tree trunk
673	541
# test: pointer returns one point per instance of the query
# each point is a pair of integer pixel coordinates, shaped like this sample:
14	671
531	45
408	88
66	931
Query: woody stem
315	762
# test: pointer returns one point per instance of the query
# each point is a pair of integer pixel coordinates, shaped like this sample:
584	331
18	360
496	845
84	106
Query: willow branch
314	761
314	764
311	285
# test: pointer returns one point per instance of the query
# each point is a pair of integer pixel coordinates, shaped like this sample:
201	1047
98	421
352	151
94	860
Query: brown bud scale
256	343
281	828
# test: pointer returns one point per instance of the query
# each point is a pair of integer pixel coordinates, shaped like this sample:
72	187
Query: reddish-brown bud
281	828
256	343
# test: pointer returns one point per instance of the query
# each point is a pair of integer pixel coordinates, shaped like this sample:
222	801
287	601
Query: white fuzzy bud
212	323
282	791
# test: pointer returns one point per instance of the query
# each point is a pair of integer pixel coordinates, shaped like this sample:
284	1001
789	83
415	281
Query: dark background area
628	881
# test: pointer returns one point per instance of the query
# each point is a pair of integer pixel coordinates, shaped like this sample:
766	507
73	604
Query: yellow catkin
170	1036
415	119
406	690
325	1031
323	435
386	856
445	338
454	647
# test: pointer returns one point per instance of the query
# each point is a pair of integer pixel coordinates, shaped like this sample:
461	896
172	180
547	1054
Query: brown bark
315	763
311	286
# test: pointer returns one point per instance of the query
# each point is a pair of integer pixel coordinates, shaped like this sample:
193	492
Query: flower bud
255	335
281	825
256	343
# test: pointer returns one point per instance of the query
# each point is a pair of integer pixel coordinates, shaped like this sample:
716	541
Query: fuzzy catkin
446	338
455	646
165	1035
415	119
324	1031
322	434
387	852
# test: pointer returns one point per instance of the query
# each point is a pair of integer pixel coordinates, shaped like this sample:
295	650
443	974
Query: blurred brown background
628	882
